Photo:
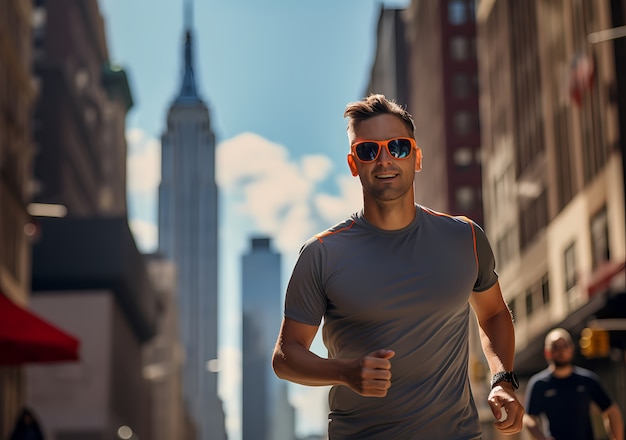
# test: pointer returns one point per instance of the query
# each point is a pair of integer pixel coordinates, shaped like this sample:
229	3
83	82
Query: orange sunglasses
398	148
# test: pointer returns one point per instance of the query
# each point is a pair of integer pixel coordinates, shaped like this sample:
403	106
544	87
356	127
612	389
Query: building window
596	148
506	247
460	86
503	188
545	289
463	122
459	48
529	302
600	238
463	157
474	84
537	295
465	198
81	79
457	12
569	259
564	172
533	218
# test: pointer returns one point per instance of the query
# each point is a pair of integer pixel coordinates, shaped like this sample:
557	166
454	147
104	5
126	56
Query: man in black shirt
564	392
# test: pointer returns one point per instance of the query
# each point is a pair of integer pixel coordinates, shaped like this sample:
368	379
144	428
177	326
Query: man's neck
563	371
390	216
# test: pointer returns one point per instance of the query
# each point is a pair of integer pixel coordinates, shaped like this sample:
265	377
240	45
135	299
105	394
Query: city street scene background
162	162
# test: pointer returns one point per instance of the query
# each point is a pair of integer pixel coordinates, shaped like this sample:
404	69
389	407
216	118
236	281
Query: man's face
386	178
560	352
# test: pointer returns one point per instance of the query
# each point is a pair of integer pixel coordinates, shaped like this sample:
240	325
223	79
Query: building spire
188	15
188	89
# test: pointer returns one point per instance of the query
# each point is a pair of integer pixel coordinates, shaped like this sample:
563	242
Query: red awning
26	338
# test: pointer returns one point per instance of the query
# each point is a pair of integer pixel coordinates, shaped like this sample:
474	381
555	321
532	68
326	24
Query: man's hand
506	408
533	424
371	375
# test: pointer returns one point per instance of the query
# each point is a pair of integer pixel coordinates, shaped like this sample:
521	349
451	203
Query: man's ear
352	165
418	159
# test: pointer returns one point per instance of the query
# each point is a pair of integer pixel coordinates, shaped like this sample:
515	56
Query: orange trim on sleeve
321	235
471	223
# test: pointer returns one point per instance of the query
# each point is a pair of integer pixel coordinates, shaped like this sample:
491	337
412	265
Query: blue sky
276	76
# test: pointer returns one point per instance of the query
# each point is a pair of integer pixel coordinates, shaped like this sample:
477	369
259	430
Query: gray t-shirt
405	290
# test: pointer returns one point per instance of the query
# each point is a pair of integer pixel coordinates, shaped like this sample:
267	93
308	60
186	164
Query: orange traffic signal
594	343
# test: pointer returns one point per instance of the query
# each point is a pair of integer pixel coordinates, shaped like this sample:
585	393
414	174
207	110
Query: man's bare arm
614	422
497	337
294	361
533	424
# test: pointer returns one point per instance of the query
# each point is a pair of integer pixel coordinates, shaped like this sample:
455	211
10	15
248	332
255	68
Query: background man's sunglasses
398	148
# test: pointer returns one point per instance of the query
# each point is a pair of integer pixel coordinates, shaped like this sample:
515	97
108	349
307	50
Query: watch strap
505	376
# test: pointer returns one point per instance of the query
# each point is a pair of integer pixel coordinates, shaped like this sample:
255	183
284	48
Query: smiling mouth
386	176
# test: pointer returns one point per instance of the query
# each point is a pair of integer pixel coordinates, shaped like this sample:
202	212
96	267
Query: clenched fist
371	375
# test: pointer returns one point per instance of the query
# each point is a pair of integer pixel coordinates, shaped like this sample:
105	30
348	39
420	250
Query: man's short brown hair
374	105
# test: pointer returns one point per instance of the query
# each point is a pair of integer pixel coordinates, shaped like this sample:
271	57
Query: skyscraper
267	414
188	236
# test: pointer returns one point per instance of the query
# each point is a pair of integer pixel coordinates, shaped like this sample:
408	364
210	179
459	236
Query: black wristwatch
505	376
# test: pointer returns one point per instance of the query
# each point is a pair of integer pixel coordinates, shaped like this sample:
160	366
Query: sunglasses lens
367	151
400	148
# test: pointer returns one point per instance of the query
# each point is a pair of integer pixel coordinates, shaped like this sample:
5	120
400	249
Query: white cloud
294	228
316	168
247	155
145	233
230	387
332	208
143	163
281	195
143	174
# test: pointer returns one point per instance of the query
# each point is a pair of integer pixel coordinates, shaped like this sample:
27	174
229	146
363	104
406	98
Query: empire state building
188	223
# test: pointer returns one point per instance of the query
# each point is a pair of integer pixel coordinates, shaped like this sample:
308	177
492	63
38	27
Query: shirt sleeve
487	275
305	300
597	392
534	404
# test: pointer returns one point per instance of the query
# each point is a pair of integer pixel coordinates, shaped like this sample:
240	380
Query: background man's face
560	352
